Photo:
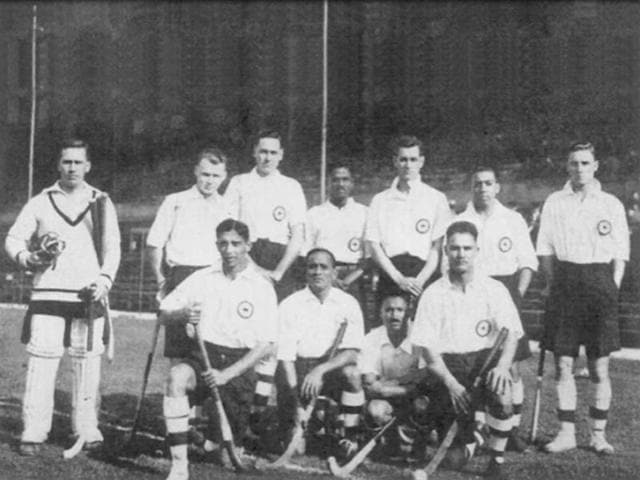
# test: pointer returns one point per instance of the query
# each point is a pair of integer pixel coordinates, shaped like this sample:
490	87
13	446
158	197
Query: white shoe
564	441
600	445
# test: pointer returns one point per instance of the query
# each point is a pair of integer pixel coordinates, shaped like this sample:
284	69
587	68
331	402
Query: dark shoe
347	448
29	449
456	457
495	471
93	447
516	443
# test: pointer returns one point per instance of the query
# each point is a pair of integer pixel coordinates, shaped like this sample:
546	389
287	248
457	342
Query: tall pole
323	151
32	133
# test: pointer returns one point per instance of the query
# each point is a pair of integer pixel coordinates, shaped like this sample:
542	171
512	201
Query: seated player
310	320
457	322
391	373
237	311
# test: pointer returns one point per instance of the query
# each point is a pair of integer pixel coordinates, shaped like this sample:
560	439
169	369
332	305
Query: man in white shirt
583	244
405	225
505	253
65	281
338	225
237	311
274	207
309	323
182	238
457	322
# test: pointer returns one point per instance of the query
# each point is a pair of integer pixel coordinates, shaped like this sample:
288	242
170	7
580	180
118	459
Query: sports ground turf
121	384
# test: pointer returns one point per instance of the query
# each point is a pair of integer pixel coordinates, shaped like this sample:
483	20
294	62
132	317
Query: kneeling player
390	372
237	311
457	322
310	321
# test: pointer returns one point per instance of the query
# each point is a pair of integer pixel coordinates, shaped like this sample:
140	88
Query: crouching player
391	372
237	311
310	321
457	322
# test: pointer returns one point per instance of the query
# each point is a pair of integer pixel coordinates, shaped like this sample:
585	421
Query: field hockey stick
223	421
298	434
538	398
432	466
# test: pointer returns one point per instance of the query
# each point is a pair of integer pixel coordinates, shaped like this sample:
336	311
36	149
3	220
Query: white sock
567	400
176	415
37	405
517	392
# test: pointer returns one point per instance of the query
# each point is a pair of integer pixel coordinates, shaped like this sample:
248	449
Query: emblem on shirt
354	244
505	244
604	227
279	213
423	225
245	309
483	328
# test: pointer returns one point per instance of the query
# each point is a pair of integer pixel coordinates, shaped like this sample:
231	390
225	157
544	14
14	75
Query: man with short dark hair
583	244
70	287
457	322
182	239
405	225
237	312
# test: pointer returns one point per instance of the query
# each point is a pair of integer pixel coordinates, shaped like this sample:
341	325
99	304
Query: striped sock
567	400
517	392
351	404
176	415
599	410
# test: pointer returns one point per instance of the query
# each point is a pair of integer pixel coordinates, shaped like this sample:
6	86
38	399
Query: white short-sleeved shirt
185	226
235	313
450	320
589	230
271	206
504	243
308	327
407	223
380	357
54	211
339	230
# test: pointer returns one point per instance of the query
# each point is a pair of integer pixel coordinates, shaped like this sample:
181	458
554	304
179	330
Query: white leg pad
37	405
86	387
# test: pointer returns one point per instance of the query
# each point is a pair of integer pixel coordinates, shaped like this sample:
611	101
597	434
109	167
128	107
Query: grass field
120	387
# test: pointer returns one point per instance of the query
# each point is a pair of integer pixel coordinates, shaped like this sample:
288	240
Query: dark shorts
236	395
523	351
582	309
267	254
333	381
177	343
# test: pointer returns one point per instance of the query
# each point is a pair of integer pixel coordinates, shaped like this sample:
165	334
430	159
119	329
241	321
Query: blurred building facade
147	82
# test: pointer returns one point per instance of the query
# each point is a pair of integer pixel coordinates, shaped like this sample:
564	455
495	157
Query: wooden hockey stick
536	403
437	458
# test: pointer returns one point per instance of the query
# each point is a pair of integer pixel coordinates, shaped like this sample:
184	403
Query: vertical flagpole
323	152
32	133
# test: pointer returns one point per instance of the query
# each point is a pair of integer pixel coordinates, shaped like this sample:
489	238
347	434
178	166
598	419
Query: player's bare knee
352	378
564	368
420	405
181	378
499	406
379	412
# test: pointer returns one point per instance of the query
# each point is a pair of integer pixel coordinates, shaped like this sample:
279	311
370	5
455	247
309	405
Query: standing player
583	245
457	322
58	317
274	208
338	226
182	237
405	224
309	323
387	362
505	253
237	311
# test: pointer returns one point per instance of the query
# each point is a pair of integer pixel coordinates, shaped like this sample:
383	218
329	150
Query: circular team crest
245	309
279	213
354	244
505	244
604	227
423	225
483	328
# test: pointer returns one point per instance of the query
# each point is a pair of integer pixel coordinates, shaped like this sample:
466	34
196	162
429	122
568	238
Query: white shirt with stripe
235	313
339	230
380	357
451	320
583	231
504	243
185	226
55	211
269	205
309	327
407	223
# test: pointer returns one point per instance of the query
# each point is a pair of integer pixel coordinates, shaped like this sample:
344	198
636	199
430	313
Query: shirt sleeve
111	260
185	294
287	335
298	206
232	197
163	223
544	244
372	228
269	319
620	231
426	330
354	333
310	231
368	362
506	314
443	218
21	231
526	254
